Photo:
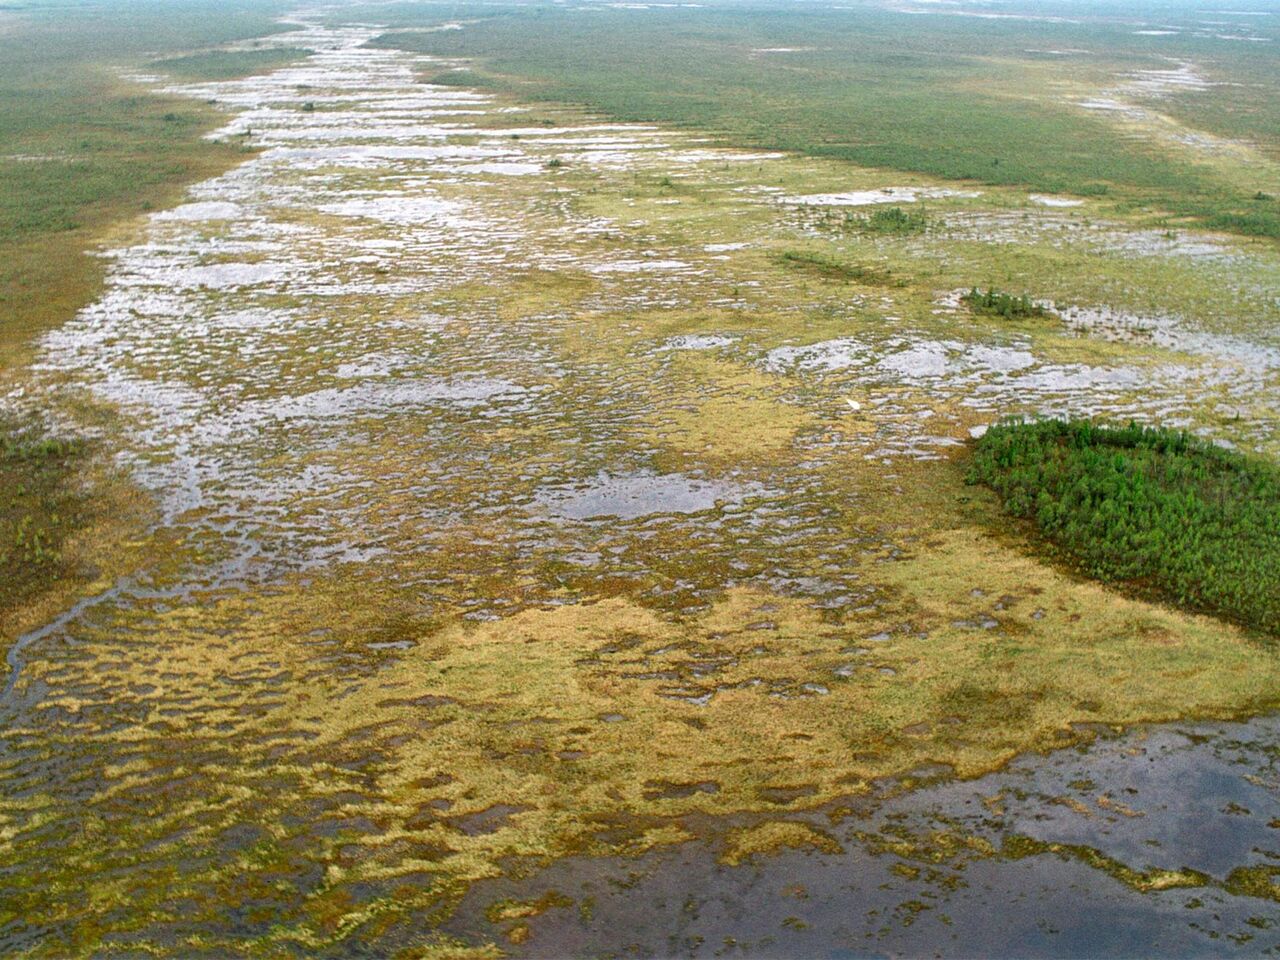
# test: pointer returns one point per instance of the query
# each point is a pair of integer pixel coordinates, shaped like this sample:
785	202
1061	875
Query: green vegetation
994	303
884	221
228	64
1018	847
833	268
460	77
80	150
886	89
364	741
1261	881
893	220
1159	510
38	509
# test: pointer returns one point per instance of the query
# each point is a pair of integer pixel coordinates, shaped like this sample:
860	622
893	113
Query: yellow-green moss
743	843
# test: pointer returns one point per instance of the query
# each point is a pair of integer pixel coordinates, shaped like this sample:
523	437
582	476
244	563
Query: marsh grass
833	268
886	221
893	220
1262	881
228	64
1161	511
466	717
39	509
459	77
80	151
1018	847
884	89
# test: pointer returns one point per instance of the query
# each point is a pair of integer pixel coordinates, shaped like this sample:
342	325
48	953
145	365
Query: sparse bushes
1159	510
38	510
994	303
892	221
1259	224
833	269
23	449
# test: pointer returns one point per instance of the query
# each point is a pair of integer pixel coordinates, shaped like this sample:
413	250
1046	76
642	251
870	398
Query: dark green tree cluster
1159	510
994	303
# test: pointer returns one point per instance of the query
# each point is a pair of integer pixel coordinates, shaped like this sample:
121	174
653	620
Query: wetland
460	510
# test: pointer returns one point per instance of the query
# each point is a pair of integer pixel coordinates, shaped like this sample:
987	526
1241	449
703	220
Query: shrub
39	509
1160	511
893	220
993	303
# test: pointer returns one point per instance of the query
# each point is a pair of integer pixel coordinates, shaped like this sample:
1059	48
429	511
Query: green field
226	64
955	97
81	148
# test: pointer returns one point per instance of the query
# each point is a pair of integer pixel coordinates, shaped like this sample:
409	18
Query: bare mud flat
533	508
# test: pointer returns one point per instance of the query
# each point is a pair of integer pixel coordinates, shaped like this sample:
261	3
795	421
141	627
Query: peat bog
540	480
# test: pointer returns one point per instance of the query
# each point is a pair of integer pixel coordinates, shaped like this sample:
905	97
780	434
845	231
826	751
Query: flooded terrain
558	529
924	872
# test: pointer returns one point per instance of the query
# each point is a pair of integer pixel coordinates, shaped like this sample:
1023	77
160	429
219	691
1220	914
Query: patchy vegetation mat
81	149
925	88
37	511
1158	510
997	303
925	867
517	496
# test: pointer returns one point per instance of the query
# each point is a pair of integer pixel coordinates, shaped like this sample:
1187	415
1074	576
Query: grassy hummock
995	303
834	268
893	220
886	221
1160	510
